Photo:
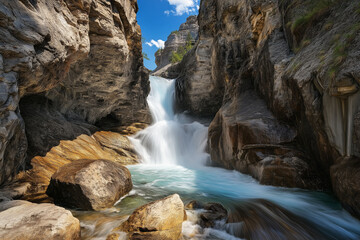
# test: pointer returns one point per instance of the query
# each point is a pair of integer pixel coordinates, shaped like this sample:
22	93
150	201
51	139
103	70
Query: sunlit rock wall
84	55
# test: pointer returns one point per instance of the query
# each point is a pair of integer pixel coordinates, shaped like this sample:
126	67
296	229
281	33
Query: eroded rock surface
304	68
32	184
161	219
28	221
345	178
188	31
90	184
85	56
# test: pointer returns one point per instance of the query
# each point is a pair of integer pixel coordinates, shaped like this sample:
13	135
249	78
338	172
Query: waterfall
171	139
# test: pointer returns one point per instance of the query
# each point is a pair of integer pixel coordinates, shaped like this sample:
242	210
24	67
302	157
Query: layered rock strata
32	184
188	31
82	57
299	57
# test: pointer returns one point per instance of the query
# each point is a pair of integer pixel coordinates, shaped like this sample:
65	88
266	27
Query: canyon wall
66	67
282	79
176	41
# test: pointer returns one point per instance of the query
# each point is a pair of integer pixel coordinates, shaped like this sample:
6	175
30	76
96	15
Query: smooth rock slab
160	220
28	221
90	184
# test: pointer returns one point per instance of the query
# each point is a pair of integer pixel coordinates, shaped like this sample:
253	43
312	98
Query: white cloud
159	43
182	7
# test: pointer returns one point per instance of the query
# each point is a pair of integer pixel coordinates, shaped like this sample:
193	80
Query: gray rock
90	184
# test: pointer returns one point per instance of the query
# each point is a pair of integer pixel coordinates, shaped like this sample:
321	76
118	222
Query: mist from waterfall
171	139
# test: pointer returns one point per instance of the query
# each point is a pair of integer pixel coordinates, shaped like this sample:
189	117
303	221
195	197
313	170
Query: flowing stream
175	161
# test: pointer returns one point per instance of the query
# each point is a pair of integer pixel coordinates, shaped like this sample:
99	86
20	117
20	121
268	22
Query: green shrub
179	54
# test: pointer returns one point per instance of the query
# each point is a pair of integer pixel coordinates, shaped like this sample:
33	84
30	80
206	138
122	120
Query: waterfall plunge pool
175	161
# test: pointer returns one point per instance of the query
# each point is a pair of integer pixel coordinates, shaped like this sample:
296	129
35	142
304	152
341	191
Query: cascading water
173	152
171	139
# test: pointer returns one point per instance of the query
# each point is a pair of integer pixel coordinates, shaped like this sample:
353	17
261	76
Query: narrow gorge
248	127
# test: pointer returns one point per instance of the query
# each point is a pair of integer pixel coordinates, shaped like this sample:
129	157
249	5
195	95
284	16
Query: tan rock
83	147
160	220
27	221
90	184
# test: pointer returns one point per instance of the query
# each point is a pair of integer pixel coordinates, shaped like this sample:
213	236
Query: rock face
90	184
187	31
345	178
160	220
84	56
295	55
28	221
356	136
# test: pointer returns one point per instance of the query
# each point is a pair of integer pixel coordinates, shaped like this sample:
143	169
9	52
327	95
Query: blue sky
158	18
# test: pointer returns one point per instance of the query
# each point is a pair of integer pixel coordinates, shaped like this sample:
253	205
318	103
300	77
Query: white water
173	151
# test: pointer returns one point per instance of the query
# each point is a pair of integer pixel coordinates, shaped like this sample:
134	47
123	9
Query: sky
158	18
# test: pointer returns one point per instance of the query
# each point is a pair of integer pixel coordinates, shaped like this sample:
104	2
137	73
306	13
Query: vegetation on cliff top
179	54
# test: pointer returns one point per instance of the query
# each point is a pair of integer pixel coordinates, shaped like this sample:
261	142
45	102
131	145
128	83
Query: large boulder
32	184
345	178
159	220
27	221
90	184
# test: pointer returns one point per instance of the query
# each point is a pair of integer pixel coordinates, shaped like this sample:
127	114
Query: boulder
32	184
345	178
159	220
27	221
90	184
213	212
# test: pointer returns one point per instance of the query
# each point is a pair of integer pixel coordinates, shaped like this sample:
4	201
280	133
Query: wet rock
262	219
345	177
257	46
83	147
90	184
214	212
193	205
159	220
28	221
356	136
279	166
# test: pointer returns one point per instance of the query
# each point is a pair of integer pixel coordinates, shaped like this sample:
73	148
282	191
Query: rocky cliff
66	66
282	78
178	39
